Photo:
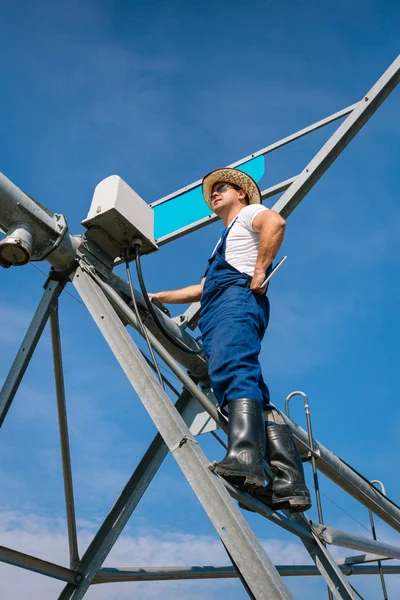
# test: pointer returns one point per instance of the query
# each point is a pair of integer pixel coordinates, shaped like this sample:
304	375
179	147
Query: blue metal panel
189	207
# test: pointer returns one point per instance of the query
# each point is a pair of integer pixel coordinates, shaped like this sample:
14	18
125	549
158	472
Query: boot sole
248	483
293	503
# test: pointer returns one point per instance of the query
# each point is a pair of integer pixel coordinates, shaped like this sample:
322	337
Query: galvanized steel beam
64	437
27	348
338	537
125	574
360	114
37	565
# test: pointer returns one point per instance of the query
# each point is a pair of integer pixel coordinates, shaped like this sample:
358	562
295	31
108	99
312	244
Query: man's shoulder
252	209
248	213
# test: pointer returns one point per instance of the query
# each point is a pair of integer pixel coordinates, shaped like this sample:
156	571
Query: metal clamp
182	442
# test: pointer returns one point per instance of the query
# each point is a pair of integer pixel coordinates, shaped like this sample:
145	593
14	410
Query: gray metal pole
50	236
64	438
37	565
27	348
337	537
255	567
121	574
339	140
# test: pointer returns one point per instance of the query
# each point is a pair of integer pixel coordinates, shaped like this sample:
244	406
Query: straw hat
227	175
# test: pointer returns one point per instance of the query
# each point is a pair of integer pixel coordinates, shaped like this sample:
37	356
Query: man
234	317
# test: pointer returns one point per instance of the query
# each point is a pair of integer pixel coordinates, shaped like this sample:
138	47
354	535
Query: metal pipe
16	247
27	348
50	237
124	574
360	559
64	438
349	540
37	565
348	478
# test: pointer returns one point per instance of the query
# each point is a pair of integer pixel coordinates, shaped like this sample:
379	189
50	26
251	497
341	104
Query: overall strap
221	245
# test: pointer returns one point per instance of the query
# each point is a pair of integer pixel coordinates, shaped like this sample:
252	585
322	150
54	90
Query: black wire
143	328
153	313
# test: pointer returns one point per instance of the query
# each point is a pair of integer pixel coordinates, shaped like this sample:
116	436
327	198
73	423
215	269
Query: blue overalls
233	322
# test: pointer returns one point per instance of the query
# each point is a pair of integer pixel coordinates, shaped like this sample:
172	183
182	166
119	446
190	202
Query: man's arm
192	293
271	227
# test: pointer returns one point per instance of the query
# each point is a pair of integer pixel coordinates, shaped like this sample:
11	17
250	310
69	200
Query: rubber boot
243	463
288	489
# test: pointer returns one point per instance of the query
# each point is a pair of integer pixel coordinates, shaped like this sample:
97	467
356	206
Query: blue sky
161	93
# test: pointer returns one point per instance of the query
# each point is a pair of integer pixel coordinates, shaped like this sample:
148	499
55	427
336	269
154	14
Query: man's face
225	195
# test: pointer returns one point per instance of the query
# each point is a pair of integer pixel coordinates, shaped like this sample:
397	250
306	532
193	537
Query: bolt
78	578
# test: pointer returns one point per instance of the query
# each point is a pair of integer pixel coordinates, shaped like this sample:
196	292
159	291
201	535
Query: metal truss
106	297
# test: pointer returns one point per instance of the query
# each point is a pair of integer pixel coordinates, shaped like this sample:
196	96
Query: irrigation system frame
75	259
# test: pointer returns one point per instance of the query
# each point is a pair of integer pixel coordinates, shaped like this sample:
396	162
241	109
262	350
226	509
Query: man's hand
258	279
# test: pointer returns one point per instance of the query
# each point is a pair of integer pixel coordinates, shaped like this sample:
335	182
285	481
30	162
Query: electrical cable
153	313
143	328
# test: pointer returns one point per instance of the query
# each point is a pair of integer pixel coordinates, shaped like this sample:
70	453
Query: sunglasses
222	187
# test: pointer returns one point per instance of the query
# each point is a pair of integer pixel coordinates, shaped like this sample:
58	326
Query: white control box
117	216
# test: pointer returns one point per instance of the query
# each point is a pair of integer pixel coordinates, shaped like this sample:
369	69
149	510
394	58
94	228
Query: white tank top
242	243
